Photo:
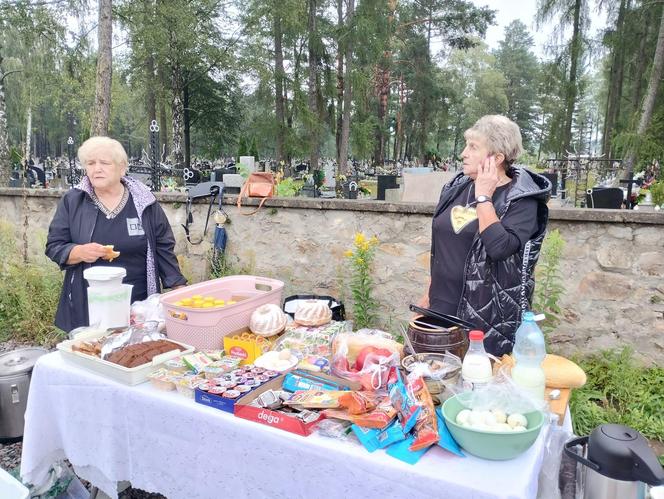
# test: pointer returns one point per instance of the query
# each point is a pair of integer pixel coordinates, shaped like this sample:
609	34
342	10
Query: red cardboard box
276	419
268	417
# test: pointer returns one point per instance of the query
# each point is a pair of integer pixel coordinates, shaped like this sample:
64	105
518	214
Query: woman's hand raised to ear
487	178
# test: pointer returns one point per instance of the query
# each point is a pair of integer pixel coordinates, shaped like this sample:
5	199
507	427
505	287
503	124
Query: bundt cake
313	313
267	320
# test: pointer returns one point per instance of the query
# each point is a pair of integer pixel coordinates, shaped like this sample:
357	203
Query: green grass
619	391
29	294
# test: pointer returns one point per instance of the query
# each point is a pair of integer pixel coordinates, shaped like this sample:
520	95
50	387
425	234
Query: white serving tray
126	375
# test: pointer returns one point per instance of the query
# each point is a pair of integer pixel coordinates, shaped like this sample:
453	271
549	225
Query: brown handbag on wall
258	185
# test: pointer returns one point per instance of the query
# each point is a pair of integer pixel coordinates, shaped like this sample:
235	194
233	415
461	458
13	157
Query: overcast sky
524	10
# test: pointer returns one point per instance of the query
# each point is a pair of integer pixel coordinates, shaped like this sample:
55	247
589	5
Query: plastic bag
304	341
551	480
369	356
503	393
147	310
137	333
426	427
333	428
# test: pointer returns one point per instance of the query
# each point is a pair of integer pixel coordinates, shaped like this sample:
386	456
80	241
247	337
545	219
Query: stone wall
612	265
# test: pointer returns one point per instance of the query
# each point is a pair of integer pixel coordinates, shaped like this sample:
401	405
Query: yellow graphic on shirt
460	216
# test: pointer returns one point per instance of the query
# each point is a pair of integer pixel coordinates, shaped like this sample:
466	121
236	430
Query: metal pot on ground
15	372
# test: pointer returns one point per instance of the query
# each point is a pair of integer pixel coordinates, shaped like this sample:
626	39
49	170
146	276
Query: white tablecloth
163	442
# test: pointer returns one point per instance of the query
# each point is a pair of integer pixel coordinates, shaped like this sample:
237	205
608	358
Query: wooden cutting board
559	406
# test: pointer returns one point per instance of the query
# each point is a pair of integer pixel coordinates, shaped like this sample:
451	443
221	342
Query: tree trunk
347	90
177	109
5	161
313	90
279	106
570	97
187	127
150	98
653	84
643	60
163	116
383	86
616	81
102	108
648	102
340	79
28	133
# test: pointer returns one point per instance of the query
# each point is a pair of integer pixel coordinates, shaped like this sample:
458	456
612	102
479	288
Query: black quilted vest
492	304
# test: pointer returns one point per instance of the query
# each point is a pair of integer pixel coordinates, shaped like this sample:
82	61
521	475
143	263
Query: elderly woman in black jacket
107	208
487	232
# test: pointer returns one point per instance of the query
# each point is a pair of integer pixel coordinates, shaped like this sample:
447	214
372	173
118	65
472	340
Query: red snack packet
426	427
358	402
379	418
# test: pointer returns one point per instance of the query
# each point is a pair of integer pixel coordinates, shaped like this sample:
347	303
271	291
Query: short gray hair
118	153
501	135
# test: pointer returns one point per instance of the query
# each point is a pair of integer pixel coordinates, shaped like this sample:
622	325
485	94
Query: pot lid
102	273
20	361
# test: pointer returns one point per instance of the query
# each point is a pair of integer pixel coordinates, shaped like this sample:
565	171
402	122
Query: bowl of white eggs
491	434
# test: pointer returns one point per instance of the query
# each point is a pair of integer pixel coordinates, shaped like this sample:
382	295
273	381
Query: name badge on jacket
134	227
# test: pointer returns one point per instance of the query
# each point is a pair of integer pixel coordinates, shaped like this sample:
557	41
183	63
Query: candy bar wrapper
316	399
379	418
392	434
214	355
358	402
426	427
402	451
196	361
405	403
341	414
445	439
373	439
368	437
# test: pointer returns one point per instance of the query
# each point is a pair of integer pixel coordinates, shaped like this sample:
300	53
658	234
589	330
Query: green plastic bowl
487	444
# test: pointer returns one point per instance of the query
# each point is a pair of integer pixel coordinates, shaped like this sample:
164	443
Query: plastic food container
11	488
126	375
205	328
488	444
444	379
104	277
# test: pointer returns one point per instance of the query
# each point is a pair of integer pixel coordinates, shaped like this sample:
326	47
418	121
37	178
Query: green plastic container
487	444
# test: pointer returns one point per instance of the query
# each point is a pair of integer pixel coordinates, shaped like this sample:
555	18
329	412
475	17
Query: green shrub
289	187
548	282
29	294
619	391
360	260
657	190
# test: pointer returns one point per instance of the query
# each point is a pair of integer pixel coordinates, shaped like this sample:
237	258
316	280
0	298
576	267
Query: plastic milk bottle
476	367
529	352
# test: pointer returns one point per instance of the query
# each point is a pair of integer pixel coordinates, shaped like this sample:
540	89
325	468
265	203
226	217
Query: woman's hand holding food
88	253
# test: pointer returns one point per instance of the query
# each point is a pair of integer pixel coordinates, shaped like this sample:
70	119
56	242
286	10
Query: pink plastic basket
206	328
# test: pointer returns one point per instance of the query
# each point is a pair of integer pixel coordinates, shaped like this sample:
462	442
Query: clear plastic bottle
476	367
529	352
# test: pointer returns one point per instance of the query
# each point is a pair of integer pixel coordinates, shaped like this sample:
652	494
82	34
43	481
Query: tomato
375	353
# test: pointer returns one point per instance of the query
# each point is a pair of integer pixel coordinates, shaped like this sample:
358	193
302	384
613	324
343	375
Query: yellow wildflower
348	253
373	241
359	238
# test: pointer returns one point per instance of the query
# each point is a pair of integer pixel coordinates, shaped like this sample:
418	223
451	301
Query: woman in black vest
487	232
